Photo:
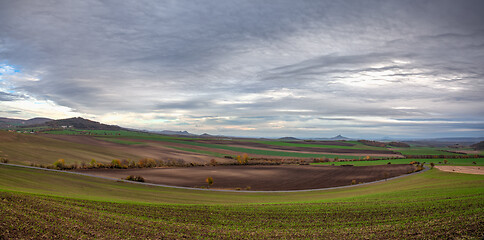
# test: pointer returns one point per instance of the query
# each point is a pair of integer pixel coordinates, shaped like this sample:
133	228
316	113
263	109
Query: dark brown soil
282	177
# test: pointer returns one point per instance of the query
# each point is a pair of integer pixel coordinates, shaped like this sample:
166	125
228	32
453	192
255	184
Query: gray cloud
4	96
275	67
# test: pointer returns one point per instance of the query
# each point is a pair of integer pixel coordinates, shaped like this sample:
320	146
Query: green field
434	204
240	149
451	162
423	151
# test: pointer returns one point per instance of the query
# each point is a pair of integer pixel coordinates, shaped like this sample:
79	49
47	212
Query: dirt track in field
462	169
281	177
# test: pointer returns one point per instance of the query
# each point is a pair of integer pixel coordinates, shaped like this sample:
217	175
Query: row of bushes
151	163
372	143
116	163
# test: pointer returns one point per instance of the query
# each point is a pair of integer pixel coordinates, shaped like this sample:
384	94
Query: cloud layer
251	68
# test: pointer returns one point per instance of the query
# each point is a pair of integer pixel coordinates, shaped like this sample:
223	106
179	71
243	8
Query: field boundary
215	190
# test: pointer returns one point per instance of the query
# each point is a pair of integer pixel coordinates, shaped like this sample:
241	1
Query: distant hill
478	146
444	142
79	123
289	138
339	137
13	122
180	133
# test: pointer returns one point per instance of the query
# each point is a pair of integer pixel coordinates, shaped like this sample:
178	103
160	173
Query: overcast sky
249	68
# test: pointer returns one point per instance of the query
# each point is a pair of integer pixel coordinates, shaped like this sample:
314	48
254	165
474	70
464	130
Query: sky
367	69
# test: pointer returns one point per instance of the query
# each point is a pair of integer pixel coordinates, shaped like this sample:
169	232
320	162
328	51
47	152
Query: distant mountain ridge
180	133
339	137
289	138
13	122
335	138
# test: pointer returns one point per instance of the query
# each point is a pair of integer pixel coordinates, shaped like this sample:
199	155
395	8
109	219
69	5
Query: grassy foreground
434	204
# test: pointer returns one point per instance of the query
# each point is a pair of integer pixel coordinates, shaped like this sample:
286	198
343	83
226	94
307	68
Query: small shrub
432	165
116	163
389	163
445	161
4	160
59	164
248	188
135	178
245	158
209	181
213	162
474	163
420	167
353	182
93	163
